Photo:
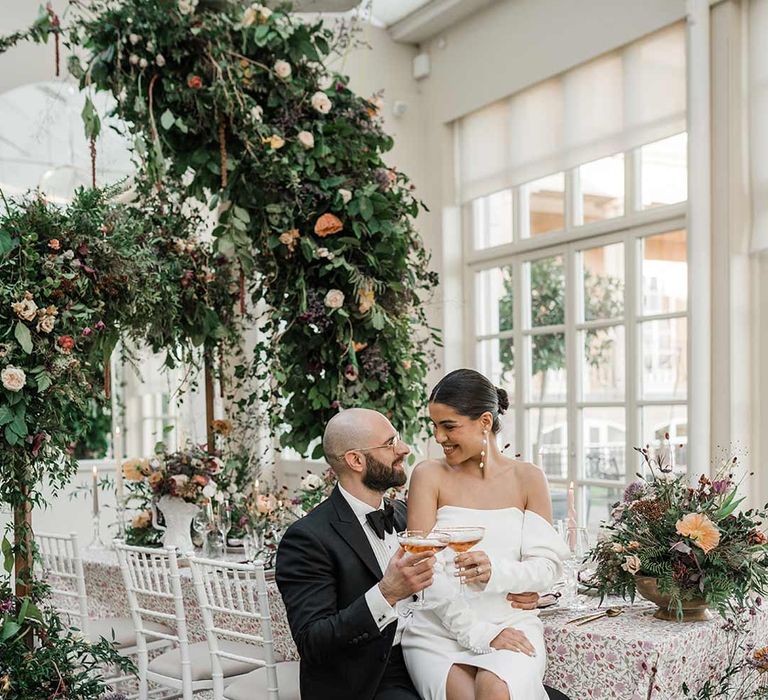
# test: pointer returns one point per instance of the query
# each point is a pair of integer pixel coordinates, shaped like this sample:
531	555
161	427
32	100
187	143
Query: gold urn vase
694	610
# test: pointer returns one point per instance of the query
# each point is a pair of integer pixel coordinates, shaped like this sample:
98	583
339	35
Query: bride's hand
514	640
474	567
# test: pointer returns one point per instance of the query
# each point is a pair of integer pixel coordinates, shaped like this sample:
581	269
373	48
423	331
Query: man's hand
524	601
514	640
406	575
474	567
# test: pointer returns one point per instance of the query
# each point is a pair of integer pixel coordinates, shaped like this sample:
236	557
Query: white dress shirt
383	613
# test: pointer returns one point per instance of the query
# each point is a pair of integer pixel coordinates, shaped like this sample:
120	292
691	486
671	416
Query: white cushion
169	664
124	633
254	685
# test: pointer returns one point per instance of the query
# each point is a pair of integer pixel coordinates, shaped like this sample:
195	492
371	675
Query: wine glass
418	542
462	539
201	524
577	539
224	522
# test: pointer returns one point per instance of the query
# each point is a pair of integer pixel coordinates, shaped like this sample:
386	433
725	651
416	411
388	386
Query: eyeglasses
392	444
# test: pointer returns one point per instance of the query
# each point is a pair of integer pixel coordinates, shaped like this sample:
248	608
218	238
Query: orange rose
327	225
135	469
195	82
700	529
222	427
359	347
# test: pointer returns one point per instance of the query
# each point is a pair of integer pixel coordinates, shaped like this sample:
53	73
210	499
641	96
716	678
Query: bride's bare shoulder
429	469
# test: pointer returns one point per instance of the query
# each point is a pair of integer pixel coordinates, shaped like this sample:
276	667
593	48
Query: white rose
134	39
26	309
143	63
257	113
187	7
334	299
151	46
45	324
346	195
13	378
321	102
283	69
311	482
325	82
631	564
133	59
160	60
306	139
209	490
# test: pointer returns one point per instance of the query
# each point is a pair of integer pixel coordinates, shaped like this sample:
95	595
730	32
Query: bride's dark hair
471	394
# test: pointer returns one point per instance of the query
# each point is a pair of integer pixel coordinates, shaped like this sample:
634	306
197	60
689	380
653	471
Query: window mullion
573	379
522	360
632	275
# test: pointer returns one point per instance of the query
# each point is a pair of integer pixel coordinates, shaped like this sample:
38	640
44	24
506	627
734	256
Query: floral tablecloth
630	657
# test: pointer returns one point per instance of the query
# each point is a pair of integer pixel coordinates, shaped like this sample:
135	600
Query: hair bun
503	398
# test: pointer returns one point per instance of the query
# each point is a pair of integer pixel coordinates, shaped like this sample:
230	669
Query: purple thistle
720	486
7	606
634	491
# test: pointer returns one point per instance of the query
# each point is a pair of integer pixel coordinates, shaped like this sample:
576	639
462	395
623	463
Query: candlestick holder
97	543
120	510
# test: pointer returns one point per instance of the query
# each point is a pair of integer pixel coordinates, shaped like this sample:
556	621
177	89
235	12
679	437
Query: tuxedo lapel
349	528
401	514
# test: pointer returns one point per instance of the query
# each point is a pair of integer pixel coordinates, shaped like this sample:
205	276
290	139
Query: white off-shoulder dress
526	555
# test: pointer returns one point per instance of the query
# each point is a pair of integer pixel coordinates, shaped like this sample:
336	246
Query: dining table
631	656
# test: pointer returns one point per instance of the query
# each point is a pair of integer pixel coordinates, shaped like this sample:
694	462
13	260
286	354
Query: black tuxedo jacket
325	565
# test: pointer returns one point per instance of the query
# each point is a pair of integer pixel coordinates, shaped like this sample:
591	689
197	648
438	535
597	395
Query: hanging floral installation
233	105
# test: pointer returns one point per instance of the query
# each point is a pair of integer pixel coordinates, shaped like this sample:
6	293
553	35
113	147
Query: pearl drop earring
485	447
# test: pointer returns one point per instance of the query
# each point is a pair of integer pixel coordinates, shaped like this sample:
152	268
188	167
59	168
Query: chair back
153	588
63	567
228	593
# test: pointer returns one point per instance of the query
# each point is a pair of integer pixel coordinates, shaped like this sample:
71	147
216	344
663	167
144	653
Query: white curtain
616	102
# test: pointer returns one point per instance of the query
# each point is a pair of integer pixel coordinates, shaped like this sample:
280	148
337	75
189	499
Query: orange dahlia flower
700	529
327	225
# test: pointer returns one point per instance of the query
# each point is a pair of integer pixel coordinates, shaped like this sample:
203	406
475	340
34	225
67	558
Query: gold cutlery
608	612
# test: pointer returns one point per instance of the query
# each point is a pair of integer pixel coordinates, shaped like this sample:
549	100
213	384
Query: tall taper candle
95	490
117	454
572	518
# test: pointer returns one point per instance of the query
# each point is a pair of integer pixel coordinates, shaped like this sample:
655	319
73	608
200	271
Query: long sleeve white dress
526	555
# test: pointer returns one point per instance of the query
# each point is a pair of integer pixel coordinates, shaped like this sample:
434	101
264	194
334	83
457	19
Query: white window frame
630	228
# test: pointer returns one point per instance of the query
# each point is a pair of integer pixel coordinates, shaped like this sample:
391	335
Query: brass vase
694	610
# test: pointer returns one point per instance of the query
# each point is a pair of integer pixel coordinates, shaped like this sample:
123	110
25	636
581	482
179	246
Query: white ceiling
387	12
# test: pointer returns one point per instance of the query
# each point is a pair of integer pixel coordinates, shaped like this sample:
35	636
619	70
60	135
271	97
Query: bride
479	647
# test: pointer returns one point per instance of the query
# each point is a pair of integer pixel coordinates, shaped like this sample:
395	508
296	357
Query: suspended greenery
233	105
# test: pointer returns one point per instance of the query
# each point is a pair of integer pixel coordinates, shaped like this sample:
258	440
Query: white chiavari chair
63	568
229	593
153	586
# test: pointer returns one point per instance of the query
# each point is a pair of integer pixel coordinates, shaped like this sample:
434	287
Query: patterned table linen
629	657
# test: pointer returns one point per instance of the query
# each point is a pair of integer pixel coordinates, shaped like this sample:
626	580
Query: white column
699	238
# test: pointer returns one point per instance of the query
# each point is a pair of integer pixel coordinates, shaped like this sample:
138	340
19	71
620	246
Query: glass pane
507	438
659	421
548	378
496	360
664	171
548	436
559	495
546	204
493	301
665	359
492	220
602	188
547	279
665	273
603	370
602	270
604	437
600	501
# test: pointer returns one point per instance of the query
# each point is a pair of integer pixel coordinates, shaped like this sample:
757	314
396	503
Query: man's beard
381	477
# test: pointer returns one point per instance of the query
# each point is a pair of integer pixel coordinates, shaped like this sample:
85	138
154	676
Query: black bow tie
382	520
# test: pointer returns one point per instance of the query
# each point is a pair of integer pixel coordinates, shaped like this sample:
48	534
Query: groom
341	573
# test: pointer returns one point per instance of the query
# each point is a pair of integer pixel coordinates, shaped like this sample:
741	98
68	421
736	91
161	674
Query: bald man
341	573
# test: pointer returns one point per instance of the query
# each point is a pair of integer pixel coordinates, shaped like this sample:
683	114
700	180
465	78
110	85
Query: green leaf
7	244
44	382
6	415
18	425
9	629
91	121
7	551
23	336
167	120
366	208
